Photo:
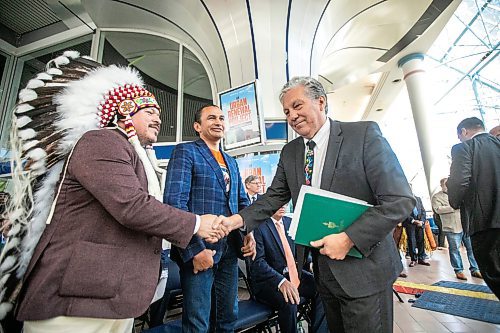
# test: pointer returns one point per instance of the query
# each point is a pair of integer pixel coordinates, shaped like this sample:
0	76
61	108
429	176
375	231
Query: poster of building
243	119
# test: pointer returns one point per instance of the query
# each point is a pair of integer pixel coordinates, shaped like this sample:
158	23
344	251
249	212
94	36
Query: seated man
274	279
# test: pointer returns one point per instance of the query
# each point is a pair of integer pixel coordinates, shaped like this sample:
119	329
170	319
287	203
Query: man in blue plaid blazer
202	178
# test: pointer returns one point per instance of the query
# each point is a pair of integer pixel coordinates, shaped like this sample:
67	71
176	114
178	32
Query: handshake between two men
213	228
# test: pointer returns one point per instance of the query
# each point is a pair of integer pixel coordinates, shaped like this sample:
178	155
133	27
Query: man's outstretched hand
211	229
229	223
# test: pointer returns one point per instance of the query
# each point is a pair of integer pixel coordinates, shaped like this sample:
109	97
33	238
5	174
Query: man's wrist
347	240
197	224
241	221
281	282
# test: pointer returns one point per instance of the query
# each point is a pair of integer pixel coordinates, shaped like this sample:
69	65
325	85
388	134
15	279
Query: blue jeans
454	241
210	298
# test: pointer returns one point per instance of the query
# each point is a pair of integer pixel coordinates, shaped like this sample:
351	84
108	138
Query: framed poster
263	166
244	122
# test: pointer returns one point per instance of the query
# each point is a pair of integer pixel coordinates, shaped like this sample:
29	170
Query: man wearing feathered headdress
87	218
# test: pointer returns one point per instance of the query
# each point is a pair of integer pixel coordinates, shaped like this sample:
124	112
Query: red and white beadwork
125	100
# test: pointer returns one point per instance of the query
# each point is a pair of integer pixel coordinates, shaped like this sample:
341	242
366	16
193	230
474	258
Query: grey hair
314	89
250	179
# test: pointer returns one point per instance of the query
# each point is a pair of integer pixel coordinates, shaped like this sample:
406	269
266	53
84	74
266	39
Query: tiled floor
409	319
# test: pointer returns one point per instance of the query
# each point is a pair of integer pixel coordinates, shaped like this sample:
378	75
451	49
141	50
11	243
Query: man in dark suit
414	226
352	159
270	276
474	187
253	187
203	178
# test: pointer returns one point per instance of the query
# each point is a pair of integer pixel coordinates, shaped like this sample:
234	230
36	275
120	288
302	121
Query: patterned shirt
225	172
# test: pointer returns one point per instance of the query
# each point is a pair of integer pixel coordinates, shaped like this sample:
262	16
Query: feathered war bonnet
74	95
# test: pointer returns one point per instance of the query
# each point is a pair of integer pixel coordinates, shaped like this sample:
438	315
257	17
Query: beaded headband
126	101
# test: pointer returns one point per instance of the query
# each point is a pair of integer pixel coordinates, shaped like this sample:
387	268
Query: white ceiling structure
351	46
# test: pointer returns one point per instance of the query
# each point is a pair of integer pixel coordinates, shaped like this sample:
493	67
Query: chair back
251	313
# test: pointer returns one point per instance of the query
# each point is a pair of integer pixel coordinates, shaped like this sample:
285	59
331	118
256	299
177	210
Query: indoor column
415	78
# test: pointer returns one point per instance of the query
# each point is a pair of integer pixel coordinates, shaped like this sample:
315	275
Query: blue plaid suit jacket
195	184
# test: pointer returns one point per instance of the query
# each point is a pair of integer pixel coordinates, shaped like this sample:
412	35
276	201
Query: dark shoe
403	275
477	274
423	262
412	263
461	276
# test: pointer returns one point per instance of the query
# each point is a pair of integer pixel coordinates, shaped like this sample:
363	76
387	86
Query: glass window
30	65
462	67
464	64
35	63
196	92
3	92
3	61
157	60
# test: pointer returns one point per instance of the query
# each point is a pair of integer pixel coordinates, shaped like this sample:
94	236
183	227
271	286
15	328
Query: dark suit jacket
258	195
195	184
420	216
100	255
474	182
359	163
270	262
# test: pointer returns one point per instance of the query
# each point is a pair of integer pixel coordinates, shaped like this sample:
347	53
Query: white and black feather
37	159
53	112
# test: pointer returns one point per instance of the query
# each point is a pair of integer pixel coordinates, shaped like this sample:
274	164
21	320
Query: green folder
322	215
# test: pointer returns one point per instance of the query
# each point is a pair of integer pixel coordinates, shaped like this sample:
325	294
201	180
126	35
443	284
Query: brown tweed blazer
100	255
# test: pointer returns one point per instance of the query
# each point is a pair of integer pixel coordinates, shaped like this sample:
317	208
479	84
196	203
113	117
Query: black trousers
345	314
486	248
287	312
415	241
439	224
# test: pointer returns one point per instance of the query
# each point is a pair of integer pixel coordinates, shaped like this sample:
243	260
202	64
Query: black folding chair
172	299
253	316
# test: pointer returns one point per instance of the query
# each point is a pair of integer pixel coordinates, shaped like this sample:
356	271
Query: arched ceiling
343	42
352	46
